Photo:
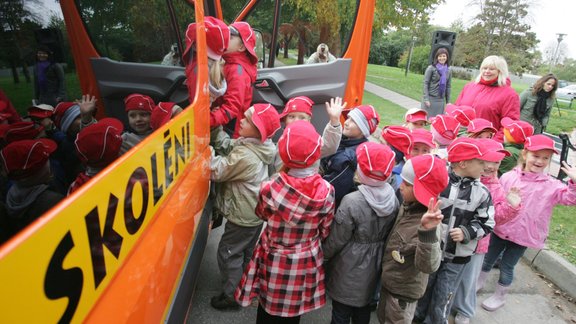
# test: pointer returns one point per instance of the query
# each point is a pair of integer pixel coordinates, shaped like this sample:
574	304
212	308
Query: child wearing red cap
540	194
444	130
399	138
423	142
300	108
162	113
286	273
515	134
358	235
97	146
240	73
139	110
42	115
480	128
27	165
8	113
217	40
468	216
239	168
506	207
413	248
340	167
415	118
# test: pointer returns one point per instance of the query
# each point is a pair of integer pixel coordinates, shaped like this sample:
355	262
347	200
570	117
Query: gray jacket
432	84
355	247
527	103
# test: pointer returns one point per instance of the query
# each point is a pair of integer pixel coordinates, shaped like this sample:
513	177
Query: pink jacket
540	193
503	212
491	103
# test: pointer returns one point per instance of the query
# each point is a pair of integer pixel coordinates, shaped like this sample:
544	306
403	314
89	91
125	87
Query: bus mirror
260	49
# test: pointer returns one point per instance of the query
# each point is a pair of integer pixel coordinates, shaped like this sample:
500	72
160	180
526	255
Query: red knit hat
399	137
465	148
493	151
266	119
540	142
479	125
518	129
300	145
217	37
61	110
429	176
375	160
99	144
138	101
463	114
161	114
22	159
248	37
20	131
415	115
423	136
41	111
298	104
446	126
365	114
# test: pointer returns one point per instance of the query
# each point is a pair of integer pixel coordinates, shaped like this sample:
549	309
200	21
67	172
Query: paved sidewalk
553	266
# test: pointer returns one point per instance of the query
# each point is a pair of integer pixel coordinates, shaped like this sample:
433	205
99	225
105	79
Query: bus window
133	31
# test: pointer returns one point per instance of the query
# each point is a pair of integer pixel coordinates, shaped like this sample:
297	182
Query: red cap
21	159
399	137
138	101
518	129
540	142
60	110
465	148
493	151
478	125
266	119
463	114
20	131
248	38
375	160
430	177
161	114
298	104
446	126
416	114
217	38
41	111
99	144
300	145
420	135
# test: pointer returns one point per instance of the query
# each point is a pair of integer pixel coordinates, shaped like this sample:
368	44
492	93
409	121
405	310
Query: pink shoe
497	300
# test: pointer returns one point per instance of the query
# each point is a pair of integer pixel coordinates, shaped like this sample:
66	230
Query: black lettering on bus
64	283
179	148
132	223
188	142
97	239
168	175
156	186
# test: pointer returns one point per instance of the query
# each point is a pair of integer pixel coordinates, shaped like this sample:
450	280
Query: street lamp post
410	56
556	52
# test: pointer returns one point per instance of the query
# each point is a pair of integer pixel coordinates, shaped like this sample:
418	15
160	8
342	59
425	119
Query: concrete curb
561	272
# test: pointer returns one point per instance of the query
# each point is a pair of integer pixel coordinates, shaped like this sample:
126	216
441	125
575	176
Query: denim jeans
342	313
511	254
434	306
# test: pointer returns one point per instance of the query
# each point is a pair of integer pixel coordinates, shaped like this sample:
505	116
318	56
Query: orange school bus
127	246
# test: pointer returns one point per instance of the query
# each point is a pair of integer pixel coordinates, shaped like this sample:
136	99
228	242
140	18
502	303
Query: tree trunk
15	75
26	71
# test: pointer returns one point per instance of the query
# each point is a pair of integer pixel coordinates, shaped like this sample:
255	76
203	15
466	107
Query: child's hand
334	110
457	235
433	215
569	170
87	108
513	197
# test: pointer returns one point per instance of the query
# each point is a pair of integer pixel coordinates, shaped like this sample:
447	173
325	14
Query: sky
547	18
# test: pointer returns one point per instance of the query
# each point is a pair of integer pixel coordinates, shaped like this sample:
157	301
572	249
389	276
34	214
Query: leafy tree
419	61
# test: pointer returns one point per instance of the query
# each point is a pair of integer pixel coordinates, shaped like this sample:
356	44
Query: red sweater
491	103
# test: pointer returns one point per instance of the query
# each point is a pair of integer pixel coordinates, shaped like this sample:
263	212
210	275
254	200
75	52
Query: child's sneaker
223	302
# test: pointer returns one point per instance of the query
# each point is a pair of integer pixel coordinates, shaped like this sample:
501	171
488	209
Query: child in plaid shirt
286	272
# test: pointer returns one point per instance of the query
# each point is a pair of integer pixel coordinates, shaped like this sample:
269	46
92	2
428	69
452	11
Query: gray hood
382	199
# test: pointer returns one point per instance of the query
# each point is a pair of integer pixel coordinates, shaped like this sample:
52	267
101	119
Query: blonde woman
491	94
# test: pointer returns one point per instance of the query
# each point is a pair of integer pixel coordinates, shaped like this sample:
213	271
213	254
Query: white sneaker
461	319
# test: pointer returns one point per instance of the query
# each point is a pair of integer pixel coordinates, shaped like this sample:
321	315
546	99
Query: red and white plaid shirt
286	271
